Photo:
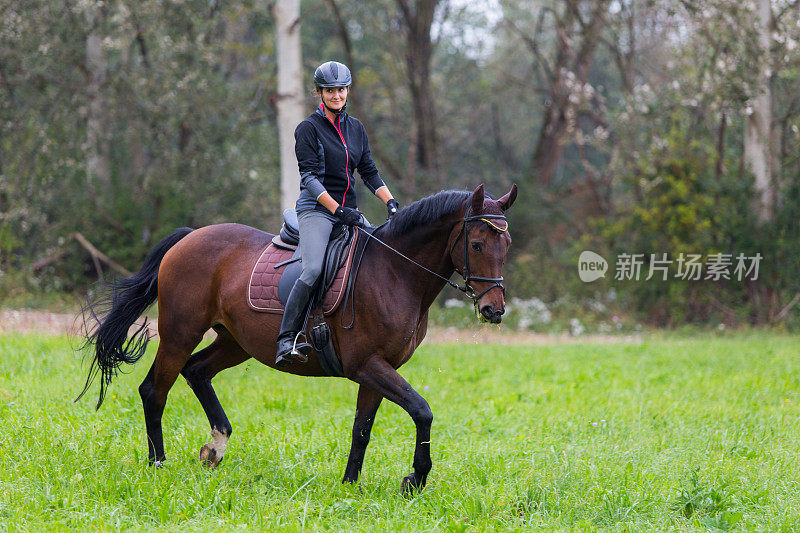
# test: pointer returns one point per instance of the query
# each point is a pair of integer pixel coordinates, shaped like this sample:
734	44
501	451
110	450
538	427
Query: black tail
113	313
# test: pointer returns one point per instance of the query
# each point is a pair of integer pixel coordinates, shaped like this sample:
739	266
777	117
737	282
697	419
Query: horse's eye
477	246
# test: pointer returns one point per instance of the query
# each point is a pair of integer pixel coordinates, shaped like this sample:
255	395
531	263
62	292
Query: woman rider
329	144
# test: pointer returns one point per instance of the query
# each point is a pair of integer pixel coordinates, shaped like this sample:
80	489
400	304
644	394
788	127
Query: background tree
289	99
758	129
417	21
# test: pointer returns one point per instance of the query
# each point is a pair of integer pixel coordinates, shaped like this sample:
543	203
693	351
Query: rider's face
334	97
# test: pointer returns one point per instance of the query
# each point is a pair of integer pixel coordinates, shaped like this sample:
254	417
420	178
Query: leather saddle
289	237
279	266
281	263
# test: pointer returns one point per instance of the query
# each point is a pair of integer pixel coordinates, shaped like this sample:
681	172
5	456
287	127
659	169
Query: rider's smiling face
334	97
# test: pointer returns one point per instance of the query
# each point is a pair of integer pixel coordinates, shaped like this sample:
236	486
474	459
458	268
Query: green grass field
679	434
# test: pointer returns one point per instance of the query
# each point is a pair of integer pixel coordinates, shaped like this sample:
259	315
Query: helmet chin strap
335	111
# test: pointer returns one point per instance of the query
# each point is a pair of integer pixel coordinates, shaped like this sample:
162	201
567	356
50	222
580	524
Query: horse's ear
508	198
477	199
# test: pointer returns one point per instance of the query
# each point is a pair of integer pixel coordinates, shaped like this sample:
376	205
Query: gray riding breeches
315	232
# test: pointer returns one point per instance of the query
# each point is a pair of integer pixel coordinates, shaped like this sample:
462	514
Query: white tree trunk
98	168
290	94
758	130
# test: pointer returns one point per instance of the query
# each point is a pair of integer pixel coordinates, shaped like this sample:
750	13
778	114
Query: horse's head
479	250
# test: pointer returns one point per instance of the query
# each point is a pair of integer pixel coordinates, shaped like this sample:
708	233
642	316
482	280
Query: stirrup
305	348
295	352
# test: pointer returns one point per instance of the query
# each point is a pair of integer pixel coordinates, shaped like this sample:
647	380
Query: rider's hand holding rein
391	208
348	216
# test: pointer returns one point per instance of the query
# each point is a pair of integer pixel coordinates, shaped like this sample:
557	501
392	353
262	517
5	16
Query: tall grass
687	434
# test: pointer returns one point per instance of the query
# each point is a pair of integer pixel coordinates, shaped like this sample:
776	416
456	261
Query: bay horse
200	279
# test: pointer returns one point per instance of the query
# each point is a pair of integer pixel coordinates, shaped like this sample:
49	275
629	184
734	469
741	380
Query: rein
466	288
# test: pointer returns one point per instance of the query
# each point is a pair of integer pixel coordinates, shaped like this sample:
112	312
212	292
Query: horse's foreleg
366	407
379	376
223	353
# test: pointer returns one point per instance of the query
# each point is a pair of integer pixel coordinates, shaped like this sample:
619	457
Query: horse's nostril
487	311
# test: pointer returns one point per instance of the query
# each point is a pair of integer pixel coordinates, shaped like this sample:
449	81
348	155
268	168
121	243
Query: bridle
465	273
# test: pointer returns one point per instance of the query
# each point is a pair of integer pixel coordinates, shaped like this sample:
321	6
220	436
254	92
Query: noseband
466	274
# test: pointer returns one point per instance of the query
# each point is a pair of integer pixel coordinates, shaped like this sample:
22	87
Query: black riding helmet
332	74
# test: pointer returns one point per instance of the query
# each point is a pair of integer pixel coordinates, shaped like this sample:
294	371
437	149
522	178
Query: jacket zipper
346	153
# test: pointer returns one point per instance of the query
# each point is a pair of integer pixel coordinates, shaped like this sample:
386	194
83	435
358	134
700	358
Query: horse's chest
411	340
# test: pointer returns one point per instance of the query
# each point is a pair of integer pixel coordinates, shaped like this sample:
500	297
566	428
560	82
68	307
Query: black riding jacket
326	166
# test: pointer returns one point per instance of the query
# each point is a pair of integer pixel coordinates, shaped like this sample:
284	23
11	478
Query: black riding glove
348	216
391	208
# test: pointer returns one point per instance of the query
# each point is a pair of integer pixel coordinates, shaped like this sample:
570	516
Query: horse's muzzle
495	316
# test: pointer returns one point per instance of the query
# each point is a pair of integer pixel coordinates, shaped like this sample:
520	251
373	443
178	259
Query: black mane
426	211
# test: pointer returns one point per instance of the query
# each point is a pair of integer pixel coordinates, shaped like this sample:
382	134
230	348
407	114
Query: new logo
591	266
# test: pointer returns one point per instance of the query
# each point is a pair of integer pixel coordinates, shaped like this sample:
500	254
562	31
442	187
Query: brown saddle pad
262	292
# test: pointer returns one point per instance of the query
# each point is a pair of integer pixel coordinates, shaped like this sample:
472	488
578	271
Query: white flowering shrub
530	312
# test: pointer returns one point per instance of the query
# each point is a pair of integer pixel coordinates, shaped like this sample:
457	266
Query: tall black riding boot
292	322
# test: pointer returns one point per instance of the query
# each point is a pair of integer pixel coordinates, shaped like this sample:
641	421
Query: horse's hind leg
223	353
170	358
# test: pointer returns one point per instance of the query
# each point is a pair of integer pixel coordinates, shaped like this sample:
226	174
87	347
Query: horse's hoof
410	484
208	456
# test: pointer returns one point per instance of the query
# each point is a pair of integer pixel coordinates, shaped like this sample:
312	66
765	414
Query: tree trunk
289	101
552	139
568	77
98	167
419	50
761	161
758	130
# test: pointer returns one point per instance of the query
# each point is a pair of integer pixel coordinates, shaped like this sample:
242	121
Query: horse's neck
428	246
